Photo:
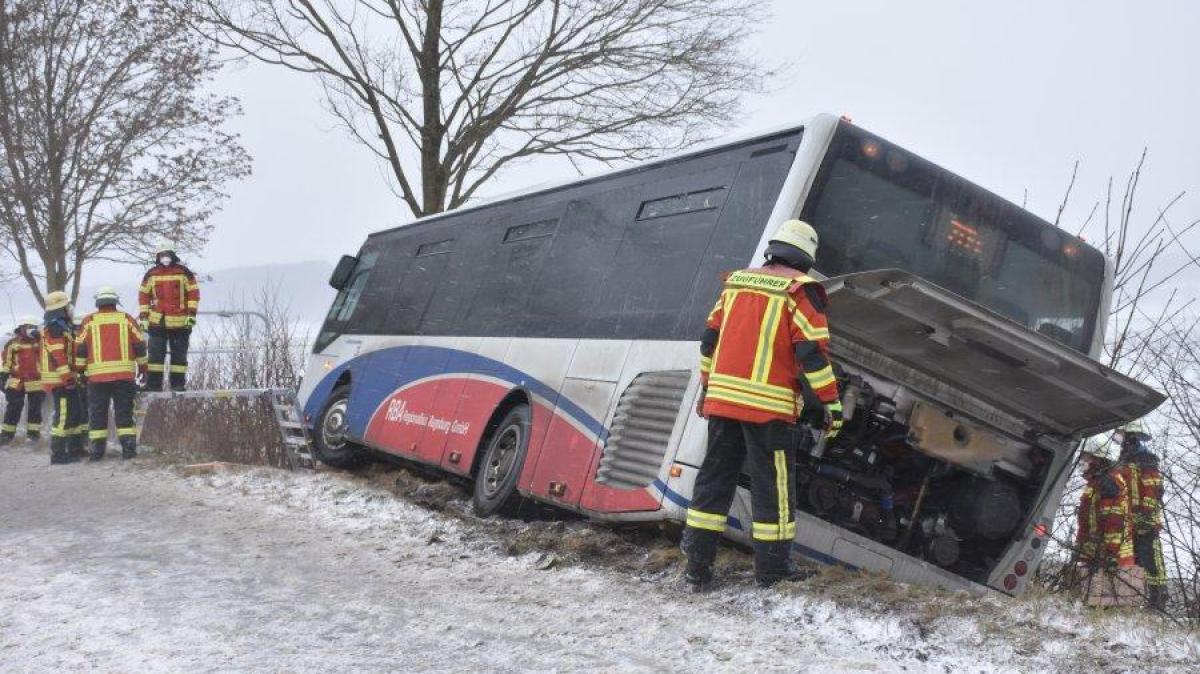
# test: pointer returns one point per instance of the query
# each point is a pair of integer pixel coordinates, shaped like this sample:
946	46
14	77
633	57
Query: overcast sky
1006	93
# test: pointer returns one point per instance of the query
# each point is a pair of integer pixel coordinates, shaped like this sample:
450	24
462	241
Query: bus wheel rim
333	429
502	459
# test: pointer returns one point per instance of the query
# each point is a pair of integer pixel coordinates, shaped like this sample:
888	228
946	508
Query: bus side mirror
342	272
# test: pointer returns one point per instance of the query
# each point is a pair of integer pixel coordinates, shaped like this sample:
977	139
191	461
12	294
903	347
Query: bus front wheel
330	443
496	479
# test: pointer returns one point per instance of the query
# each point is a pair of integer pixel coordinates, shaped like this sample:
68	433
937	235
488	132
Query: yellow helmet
107	295
57	300
797	233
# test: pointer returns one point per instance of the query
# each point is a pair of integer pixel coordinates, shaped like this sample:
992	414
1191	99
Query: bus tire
501	463
330	445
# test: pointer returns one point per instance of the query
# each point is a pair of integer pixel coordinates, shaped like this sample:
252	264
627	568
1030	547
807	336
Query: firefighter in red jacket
1140	467
112	352
22	382
1104	536
167	304
60	379
765	343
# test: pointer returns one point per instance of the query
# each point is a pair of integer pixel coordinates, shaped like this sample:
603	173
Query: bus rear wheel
330	443
500	466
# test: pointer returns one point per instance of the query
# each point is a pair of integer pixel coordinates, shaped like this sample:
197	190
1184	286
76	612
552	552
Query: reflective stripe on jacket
752	373
1105	526
58	364
169	296
110	346
21	363
1146	494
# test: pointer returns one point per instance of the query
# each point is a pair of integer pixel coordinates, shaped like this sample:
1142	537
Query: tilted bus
546	345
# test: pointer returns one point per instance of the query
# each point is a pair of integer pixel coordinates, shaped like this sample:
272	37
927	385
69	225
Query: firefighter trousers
66	436
160	342
16	403
1147	551
767	452
119	395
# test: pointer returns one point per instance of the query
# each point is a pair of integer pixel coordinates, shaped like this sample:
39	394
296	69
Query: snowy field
134	568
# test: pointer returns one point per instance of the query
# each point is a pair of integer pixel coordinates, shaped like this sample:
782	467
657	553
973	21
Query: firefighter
1140	466
1104	537
60	379
764	345
168	301
22	382
112	352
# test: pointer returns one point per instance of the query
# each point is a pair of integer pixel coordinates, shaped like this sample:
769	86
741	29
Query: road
131	568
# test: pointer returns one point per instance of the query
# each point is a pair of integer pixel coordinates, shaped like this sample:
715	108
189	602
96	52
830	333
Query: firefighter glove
700	401
833	419
190	322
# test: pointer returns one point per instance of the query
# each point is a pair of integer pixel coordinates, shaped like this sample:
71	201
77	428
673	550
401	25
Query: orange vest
110	346
1145	497
753	375
21	363
1105	528
58	365
169	296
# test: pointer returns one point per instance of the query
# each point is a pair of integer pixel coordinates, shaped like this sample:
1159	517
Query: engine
877	480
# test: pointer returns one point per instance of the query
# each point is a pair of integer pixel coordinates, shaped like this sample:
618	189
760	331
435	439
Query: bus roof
552	185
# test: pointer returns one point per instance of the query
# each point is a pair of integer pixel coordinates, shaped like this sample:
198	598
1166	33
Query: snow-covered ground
133	568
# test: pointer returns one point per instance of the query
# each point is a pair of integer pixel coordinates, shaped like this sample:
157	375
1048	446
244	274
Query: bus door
576	428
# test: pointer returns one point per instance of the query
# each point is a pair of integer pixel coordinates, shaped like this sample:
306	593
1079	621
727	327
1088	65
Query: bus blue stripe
386	370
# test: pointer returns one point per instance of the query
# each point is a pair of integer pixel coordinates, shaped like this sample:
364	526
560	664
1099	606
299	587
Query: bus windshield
877	206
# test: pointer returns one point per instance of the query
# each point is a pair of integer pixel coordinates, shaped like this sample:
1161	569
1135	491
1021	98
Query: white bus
546	345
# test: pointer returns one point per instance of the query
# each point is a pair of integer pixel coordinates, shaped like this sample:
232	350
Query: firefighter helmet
1134	429
164	246
1101	449
28	319
57	300
797	233
107	296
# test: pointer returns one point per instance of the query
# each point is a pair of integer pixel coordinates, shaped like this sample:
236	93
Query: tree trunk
434	181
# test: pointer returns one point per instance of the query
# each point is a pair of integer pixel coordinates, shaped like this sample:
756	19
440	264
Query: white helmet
164	246
107	295
1101	449
797	233
28	319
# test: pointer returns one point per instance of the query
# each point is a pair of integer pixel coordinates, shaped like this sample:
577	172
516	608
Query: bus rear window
878	207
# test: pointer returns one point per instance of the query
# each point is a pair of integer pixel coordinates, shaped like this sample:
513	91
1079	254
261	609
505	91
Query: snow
120	567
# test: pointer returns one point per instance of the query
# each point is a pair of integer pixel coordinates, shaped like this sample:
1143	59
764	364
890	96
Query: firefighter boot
77	447
34	437
58	451
700	548
773	564
6	438
98	449
128	447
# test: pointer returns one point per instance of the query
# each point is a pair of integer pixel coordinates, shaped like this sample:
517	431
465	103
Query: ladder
292	429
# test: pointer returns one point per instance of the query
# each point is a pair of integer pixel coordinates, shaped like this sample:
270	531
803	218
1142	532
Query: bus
545	345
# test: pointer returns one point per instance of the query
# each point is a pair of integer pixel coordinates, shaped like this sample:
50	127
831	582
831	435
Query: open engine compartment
917	478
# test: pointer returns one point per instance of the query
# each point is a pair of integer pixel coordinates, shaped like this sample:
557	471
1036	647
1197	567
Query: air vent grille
641	428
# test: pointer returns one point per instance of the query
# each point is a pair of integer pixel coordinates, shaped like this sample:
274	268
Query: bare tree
1151	336
108	140
448	93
